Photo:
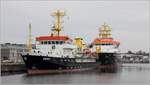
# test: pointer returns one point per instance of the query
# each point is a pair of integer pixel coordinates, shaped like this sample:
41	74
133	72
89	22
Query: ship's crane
29	43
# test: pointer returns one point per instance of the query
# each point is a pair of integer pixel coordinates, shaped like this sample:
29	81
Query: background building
12	52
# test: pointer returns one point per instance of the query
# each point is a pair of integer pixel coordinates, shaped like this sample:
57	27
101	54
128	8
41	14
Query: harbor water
126	74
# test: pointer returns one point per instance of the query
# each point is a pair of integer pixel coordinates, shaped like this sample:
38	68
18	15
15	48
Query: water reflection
93	76
108	70
122	75
137	68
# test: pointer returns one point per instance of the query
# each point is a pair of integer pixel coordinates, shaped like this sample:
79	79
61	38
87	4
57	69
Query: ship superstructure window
57	42
61	42
45	42
49	42
105	44
53	42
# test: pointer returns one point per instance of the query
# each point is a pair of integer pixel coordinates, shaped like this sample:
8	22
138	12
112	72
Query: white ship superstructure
105	46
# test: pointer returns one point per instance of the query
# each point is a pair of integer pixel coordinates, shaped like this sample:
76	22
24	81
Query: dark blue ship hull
108	60
45	64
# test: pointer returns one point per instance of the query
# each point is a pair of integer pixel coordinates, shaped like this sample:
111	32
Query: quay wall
12	68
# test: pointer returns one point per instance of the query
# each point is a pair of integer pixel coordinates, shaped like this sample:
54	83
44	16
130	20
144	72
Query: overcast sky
129	20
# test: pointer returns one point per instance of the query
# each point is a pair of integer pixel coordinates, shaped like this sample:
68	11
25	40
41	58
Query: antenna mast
105	31
57	26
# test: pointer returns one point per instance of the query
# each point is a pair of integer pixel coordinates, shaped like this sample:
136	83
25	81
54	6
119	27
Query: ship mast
57	25
29	44
105	31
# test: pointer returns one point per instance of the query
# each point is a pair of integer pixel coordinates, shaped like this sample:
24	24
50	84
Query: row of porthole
75	67
71	67
60	60
67	60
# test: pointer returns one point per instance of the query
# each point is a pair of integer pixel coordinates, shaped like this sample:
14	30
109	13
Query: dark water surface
128	74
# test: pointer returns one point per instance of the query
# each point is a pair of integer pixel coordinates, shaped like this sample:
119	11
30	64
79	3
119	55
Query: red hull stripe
33	72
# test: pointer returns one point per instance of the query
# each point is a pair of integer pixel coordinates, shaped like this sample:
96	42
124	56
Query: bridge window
61	42
57	42
45	42
53	42
49	42
42	42
105	44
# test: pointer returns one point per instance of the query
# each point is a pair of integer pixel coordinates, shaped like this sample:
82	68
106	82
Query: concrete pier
12	68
